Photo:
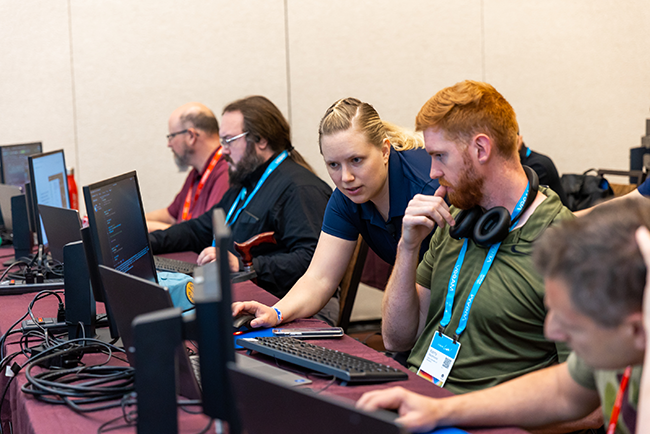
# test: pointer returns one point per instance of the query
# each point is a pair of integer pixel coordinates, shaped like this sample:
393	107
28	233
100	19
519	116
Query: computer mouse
242	322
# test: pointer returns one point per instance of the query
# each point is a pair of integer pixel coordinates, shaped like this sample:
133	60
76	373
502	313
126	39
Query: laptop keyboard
342	365
174	265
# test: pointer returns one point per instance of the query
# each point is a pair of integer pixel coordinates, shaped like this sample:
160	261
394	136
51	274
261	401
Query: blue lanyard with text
492	252
242	194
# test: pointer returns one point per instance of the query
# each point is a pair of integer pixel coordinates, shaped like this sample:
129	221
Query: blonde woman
377	168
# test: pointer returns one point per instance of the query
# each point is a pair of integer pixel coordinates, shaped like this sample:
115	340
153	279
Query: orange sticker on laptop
189	291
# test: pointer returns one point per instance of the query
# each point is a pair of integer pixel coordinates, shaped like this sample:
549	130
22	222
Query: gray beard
181	162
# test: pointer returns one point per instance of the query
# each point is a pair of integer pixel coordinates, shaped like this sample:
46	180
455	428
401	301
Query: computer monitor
13	161
49	183
118	227
96	284
214	329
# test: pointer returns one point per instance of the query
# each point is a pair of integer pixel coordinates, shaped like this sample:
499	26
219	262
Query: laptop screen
118	227
49	183
13	159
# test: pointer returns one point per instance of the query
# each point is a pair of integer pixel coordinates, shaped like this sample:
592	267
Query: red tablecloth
30	416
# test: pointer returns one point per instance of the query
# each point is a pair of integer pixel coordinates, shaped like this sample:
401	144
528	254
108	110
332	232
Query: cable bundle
81	387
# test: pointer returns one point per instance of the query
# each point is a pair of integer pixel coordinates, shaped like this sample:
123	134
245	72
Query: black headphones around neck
490	227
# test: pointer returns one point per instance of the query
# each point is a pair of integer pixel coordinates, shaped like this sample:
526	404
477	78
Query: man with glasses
194	140
272	189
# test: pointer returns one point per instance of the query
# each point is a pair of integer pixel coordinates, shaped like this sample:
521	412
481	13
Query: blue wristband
279	314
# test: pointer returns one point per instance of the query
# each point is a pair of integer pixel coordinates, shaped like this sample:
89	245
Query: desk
29	416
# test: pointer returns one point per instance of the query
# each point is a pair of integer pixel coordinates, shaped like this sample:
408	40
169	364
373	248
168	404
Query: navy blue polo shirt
408	175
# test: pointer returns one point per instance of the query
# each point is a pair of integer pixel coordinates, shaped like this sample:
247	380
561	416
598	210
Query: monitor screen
49	183
13	160
117	226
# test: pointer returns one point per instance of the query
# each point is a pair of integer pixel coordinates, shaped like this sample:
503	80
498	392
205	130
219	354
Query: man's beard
468	192
182	161
247	165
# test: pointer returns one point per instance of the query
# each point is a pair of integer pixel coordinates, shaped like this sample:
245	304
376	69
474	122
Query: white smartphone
310	333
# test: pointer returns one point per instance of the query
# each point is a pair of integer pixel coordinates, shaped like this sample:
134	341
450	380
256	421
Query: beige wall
99	78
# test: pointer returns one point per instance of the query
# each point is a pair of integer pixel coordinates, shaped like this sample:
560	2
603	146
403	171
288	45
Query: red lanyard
188	199
613	420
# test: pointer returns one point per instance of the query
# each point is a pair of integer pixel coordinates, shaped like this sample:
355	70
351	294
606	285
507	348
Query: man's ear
193	134
481	147
262	145
635	323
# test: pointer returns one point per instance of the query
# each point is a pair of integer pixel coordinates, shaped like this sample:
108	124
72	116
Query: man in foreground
595	276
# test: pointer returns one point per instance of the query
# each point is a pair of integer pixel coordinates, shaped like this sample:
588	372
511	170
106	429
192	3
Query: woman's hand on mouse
265	316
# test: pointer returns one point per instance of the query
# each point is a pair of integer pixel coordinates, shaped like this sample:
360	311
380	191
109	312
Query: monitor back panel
6	193
267	407
61	226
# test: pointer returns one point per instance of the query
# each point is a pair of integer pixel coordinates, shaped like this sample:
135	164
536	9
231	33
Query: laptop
267	407
6	193
62	226
130	296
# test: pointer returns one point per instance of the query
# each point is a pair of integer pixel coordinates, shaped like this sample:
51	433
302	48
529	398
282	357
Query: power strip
47	323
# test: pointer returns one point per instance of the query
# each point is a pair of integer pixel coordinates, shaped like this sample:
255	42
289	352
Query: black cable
184	403
13	264
59	381
83	389
102	427
332	381
207	427
40	295
31	313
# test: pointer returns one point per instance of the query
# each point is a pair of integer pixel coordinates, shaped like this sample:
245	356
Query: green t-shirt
607	384
504	337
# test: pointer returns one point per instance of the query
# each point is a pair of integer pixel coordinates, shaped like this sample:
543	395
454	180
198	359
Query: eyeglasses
226	142
172	135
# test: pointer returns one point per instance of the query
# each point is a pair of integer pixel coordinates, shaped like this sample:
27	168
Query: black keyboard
342	365
174	265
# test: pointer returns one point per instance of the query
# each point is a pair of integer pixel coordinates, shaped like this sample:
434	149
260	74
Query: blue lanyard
528	151
242	194
453	281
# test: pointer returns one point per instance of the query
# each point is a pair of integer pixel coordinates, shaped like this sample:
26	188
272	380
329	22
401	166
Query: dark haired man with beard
272	189
470	131
194	141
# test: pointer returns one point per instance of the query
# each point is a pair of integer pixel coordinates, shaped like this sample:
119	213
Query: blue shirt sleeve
644	188
336	221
